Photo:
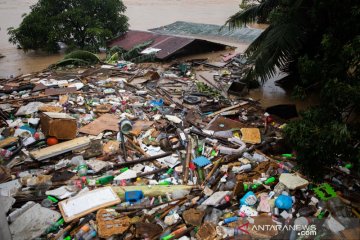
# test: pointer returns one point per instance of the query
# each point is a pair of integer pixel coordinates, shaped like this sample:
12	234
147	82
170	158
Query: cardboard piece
60	148
111	147
140	126
293	181
50	108
193	216
59	125
207	231
251	135
110	224
147	230
88	202
105	122
5	174
103	108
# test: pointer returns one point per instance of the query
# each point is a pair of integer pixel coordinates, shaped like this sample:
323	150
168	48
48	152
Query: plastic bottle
160	223
84	229
81	165
269	180
227	231
279	188
104	180
182	136
90	235
229	185
214	216
230	220
54	227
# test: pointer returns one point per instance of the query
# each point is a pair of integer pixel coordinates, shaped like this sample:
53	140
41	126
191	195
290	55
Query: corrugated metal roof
167	43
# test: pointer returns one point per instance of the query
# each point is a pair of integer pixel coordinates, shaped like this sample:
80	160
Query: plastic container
81	168
230	220
104	180
133	196
249	199
214	216
84	229
270	180
90	235
283	202
227	231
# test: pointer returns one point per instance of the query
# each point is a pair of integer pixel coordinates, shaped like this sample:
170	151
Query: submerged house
165	46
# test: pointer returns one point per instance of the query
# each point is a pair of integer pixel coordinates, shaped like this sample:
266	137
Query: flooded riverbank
143	15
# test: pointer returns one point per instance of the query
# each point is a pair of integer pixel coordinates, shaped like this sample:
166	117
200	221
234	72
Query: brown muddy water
143	15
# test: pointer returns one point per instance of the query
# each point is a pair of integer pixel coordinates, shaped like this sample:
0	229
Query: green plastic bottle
270	180
124	169
54	227
255	186
348	166
170	171
53	199
165	183
104	180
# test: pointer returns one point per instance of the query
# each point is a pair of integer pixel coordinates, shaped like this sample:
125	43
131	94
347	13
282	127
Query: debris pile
156	151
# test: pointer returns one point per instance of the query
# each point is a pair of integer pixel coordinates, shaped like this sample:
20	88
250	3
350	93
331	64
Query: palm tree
279	44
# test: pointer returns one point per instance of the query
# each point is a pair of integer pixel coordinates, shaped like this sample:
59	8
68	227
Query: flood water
143	15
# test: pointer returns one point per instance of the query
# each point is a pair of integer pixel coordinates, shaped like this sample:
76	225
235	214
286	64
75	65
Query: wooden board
60	148
105	122
59	91
228	109
8	141
88	202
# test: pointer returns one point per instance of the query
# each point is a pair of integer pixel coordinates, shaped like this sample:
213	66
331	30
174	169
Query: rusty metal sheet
168	44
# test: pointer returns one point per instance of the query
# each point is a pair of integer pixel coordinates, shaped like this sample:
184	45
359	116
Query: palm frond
274	49
250	15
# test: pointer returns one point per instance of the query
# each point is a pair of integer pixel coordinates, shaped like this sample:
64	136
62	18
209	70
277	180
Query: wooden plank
60	148
8	141
228	109
83	204
59	91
